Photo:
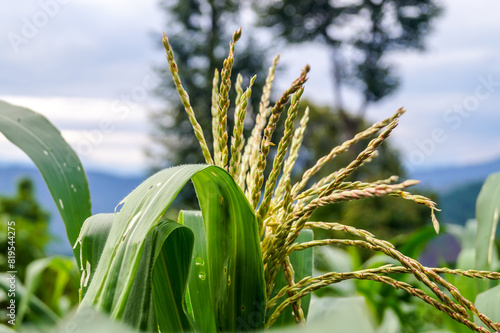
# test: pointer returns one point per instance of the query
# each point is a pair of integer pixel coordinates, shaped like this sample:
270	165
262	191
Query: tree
199	32
360	36
204	27
31	227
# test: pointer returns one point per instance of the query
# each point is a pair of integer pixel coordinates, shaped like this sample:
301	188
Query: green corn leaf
488	303
487	213
235	270
198	288
302	262
57	162
234	265
161	277
466	235
170	275
93	237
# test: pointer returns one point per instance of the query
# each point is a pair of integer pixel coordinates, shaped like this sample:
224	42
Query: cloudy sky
85	63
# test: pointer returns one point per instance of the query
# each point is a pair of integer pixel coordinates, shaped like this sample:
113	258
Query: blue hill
456	186
443	179
106	192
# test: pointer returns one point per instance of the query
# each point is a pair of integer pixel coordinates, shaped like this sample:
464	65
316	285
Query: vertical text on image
11	273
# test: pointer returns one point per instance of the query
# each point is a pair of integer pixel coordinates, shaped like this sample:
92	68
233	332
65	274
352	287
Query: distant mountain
443	179
457	187
459	203
106	192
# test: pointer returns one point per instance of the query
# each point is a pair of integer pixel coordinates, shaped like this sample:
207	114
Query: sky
88	64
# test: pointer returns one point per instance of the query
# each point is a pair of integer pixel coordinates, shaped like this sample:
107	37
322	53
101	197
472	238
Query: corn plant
244	261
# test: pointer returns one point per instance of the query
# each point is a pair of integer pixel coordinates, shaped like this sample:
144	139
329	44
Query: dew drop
158	184
72	186
119	207
201	275
65	164
199	262
46	152
87	277
78	168
61	204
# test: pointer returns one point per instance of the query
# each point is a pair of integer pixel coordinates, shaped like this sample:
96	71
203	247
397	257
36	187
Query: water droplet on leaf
119	207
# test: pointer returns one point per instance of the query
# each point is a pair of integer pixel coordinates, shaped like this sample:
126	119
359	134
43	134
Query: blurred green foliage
396	311
384	305
49	285
31	227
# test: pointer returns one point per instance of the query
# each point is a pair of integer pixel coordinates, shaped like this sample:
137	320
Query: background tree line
359	35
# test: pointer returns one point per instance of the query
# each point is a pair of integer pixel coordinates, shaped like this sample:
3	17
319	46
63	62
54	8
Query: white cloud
101	137
85	49
90	63
85	111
